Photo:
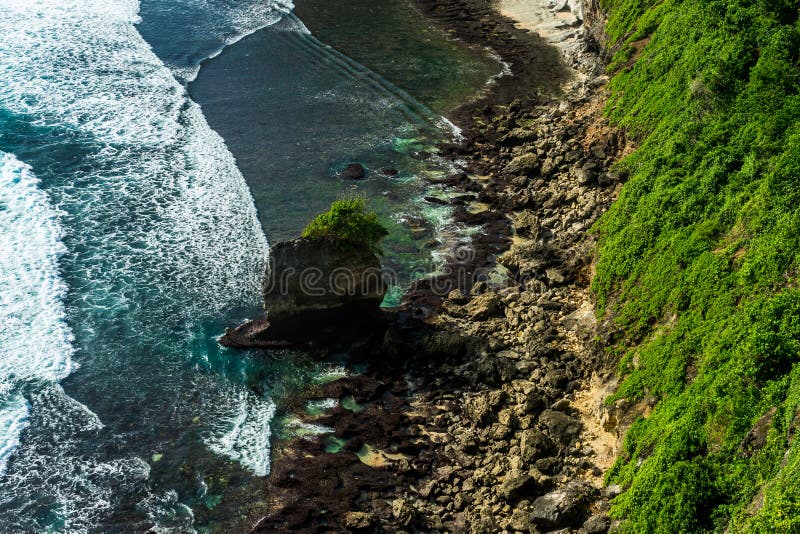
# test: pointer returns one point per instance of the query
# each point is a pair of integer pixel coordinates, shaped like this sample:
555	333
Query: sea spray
13	420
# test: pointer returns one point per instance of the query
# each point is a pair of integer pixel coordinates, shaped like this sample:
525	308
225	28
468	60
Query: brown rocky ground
482	410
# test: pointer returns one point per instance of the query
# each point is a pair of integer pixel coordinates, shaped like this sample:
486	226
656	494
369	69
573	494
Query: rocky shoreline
482	408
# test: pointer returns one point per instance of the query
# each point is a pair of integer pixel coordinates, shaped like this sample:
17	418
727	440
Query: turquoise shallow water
130	238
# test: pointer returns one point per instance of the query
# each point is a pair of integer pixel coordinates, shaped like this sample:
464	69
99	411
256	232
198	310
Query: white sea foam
319	405
81	491
81	64
155	505
244	434
241	19
35	341
13	420
331	373
166	227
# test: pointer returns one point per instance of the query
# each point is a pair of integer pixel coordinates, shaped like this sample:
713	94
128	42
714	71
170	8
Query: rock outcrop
354	171
315	290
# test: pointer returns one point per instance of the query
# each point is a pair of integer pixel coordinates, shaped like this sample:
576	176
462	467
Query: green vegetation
698	261
349	224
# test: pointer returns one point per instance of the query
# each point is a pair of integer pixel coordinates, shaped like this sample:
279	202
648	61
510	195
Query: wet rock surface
307	275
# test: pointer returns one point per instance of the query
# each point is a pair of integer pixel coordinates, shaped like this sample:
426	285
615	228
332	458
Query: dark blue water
129	239
294	112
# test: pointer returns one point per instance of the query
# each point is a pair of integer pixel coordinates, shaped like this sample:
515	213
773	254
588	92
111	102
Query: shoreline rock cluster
481	409
514	450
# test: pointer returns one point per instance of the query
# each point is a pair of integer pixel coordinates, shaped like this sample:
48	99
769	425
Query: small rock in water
388	171
354	171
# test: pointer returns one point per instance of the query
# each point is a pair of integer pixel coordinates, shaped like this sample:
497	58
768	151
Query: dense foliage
349	224
698	261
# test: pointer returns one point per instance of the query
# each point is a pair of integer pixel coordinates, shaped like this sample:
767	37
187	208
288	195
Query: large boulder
315	290
533	444
484	306
562	427
308	275
524	164
566	506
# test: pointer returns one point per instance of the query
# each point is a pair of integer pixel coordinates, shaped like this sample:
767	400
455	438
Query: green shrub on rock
699	259
348	223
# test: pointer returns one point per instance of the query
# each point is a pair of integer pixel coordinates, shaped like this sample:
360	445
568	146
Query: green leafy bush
349	224
698	262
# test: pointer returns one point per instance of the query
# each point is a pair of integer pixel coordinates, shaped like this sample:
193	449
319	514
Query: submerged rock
436	200
354	171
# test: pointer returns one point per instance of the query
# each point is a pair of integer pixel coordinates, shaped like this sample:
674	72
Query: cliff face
594	21
315	291
697	264
308	276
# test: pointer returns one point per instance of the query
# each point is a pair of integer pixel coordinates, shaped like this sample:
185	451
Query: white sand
554	20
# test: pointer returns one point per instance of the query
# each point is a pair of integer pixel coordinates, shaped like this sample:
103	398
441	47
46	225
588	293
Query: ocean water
394	39
130	238
294	111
